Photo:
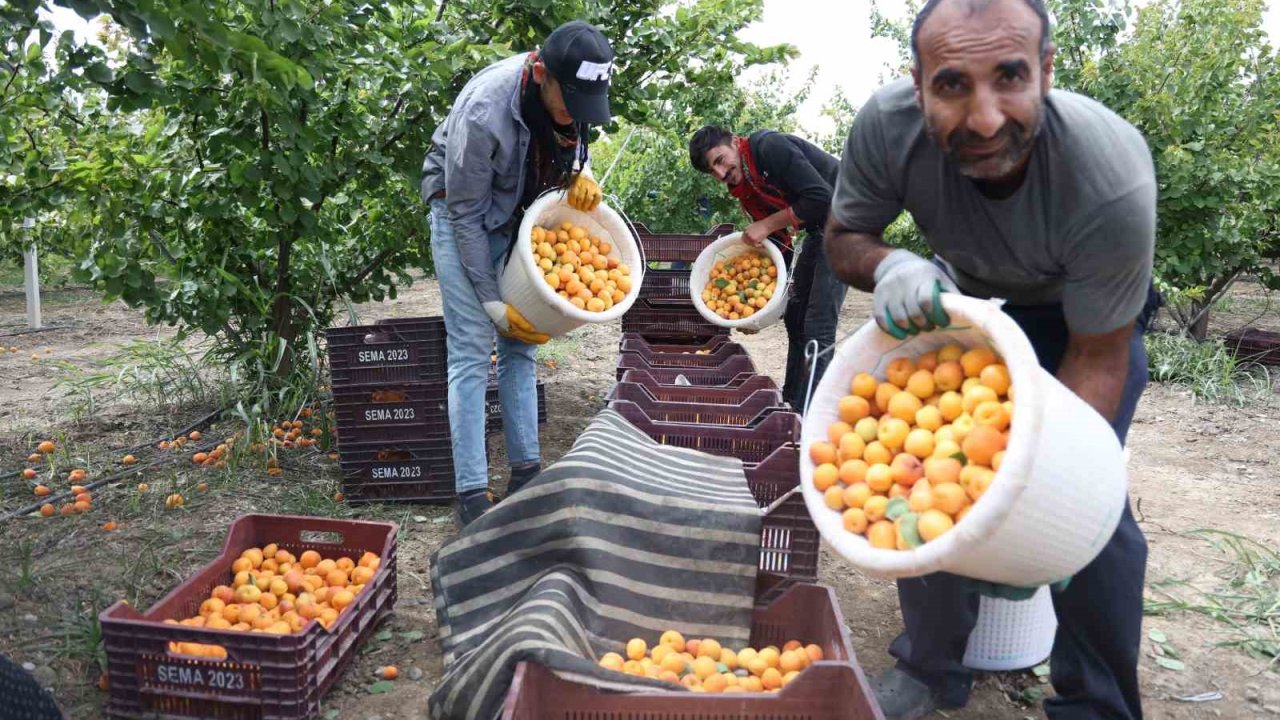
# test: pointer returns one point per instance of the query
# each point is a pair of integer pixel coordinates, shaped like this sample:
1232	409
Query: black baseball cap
580	58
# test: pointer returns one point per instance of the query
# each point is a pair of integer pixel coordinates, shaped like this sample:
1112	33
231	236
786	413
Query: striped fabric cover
621	538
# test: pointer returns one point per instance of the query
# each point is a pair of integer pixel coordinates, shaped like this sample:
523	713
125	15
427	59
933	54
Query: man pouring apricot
1043	198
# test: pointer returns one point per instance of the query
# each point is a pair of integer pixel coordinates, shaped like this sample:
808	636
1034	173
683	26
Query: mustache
1012	132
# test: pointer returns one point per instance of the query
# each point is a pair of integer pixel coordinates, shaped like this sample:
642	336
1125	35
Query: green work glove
908	294
1012	592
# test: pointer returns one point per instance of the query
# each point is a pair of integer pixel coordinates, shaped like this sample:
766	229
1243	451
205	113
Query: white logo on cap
594	72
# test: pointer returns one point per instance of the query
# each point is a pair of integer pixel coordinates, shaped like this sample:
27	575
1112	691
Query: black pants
1094	664
812	313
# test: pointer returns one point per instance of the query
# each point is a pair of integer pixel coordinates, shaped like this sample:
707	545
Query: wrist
894	259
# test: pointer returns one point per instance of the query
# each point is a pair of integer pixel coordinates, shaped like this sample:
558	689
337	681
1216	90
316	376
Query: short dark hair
707	137
1036	5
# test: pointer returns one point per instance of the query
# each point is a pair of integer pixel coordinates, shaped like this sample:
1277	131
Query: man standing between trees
784	184
518	128
1043	198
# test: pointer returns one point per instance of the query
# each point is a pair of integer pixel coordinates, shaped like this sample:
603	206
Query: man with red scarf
784	183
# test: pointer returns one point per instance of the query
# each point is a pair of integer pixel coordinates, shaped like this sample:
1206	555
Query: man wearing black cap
517	129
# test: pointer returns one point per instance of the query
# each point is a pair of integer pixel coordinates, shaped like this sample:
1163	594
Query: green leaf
383	636
412	636
1157	635
1041	670
332	714
99	73
896	508
1170	663
380	687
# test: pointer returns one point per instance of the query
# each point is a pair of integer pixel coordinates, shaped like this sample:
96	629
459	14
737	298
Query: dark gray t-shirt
1080	230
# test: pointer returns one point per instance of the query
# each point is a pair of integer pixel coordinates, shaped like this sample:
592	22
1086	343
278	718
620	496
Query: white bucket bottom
1012	635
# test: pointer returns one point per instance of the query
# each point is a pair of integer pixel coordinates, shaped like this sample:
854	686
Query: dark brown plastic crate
751	412
662	322
352	452
414	350
264	676
675	247
662	287
730	371
710	358
493	409
636	341
789	541
1254	345
748	444
412	418
666	392
831	689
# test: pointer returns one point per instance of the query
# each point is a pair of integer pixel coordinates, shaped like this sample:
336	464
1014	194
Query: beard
969	150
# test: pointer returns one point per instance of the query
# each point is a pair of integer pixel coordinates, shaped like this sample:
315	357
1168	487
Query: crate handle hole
197	651
320	537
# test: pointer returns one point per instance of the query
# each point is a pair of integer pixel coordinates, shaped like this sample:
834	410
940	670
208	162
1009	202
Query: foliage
1212	372
241	168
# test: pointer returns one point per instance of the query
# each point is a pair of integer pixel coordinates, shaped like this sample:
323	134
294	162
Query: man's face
981	84
552	98
725	164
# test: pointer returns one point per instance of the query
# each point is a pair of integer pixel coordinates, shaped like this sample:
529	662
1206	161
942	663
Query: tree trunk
1200	328
283	323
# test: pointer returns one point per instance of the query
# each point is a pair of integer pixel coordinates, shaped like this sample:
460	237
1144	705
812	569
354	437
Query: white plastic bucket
1012	634
1059	493
731	246
523	284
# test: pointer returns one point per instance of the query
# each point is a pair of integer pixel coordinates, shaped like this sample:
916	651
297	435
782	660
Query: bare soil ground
1194	466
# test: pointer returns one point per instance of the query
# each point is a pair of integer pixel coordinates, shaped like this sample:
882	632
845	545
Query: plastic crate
789	541
730	371
708	358
675	247
635	342
748	444
391	351
750	412
831	689
493	409
1254	345
666	392
410	411
264	676
659	322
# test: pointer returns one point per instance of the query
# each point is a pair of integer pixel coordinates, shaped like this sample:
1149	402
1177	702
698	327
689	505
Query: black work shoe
471	505
521	476
902	697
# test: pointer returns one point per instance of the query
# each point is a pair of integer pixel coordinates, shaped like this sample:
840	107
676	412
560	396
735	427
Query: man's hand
584	192
512	324
908	294
756	233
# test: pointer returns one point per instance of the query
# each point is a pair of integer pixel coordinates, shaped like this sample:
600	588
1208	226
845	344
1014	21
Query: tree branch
440	12
266	132
374	264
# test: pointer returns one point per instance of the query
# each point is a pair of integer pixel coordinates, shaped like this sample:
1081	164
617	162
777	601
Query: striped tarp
621	538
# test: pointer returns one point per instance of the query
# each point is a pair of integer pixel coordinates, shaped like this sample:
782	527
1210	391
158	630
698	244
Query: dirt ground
1194	466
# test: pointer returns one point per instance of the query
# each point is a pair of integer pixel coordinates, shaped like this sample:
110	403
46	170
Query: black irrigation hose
131	469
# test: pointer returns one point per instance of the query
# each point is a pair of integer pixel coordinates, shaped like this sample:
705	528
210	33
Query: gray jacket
477	158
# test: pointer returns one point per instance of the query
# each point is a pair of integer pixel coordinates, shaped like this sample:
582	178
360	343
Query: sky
832	35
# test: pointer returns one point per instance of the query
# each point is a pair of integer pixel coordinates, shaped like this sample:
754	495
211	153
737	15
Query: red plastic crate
635	341
726	369
748	444
660	322
666	392
676	247
789	541
831	689
709	358
264	676
408	350
750	412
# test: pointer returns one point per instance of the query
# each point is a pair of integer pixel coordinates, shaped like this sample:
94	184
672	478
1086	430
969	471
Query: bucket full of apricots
736	285
569	267
953	450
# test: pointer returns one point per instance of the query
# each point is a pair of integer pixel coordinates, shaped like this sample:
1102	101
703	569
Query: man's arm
1095	368
758	231
468	192
854	256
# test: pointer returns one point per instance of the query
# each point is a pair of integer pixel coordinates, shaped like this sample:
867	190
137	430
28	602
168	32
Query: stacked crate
390	392
684	383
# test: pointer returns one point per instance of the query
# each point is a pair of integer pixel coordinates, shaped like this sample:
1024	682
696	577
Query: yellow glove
512	324
584	193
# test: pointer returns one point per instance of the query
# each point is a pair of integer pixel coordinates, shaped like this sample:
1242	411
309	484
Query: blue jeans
471	339
1094	664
